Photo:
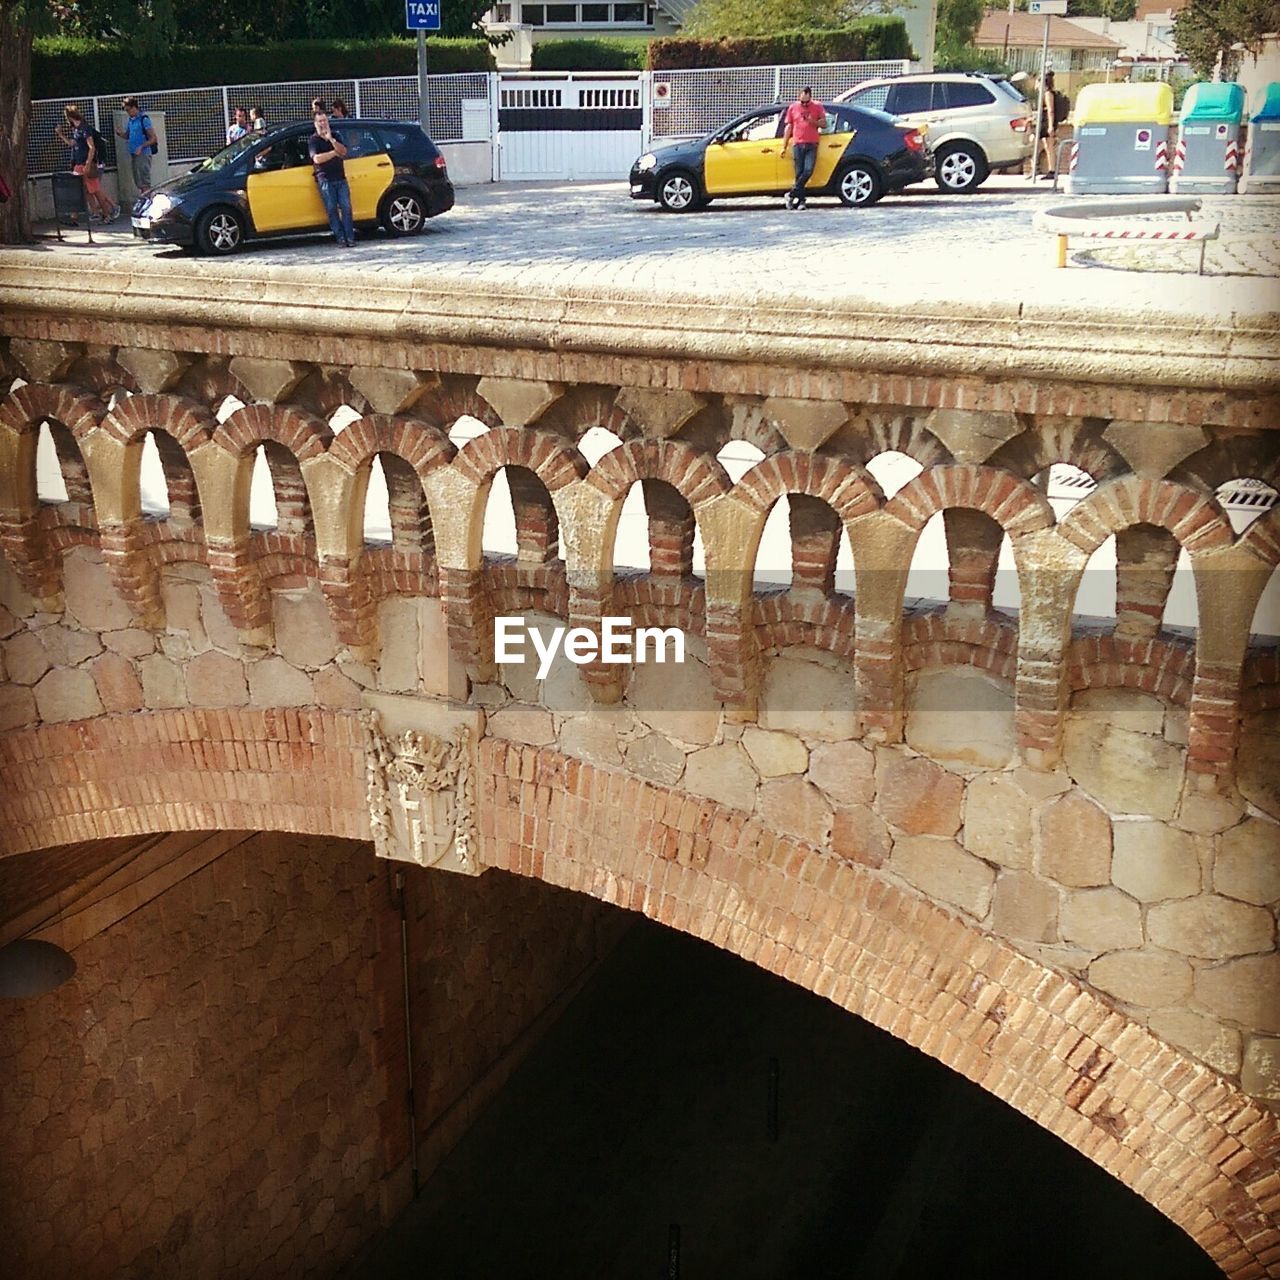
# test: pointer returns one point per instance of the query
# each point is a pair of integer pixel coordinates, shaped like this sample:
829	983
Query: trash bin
1262	150
1207	158
1121	140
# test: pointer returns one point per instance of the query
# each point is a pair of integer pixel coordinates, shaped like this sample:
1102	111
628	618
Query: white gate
569	125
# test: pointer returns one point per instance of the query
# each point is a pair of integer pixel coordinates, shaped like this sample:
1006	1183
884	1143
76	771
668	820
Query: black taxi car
862	154
264	185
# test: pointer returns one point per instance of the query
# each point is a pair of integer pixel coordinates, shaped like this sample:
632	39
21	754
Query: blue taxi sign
422	15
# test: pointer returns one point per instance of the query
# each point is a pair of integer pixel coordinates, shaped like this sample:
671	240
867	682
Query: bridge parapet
1099	793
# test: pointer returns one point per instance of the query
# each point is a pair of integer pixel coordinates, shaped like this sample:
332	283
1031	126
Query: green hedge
617	53
872	39
69	67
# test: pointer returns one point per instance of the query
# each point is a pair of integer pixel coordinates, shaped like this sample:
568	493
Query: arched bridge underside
1038	847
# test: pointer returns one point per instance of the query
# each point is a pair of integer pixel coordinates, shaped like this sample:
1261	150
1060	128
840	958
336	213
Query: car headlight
647	161
160	205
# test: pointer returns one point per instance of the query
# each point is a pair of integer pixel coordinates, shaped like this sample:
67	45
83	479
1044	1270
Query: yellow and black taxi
862	154
264	185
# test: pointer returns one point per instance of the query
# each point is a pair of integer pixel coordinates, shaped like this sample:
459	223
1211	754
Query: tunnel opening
693	1115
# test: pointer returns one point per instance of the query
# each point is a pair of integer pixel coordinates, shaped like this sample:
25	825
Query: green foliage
151	25
1206	28
967	58
735	18
1116	10
872	39
65	67
612	53
958	22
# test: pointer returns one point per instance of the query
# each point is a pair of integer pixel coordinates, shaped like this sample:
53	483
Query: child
256	123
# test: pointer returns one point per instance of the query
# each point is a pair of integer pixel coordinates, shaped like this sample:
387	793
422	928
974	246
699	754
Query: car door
971	110
836	135
368	167
282	190
748	158
914	103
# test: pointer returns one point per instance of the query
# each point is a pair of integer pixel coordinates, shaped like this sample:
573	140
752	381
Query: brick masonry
220	1089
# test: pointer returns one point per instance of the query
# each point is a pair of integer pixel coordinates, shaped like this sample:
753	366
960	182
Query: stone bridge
1039	846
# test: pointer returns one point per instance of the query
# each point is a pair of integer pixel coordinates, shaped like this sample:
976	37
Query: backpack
99	146
1061	106
146	124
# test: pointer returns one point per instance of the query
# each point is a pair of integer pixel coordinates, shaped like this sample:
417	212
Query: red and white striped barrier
1075	156
1162	156
1179	156
1116	220
1231	160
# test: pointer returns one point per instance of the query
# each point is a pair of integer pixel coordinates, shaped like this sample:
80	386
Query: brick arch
1195	520
102	373
935	639
1009	500
548	456
452	398
303	434
187	421
1230	458
413	440
22	410
693	473
848	489
1262	537
585	406
1169	1128
1151	664
1031	452
901	433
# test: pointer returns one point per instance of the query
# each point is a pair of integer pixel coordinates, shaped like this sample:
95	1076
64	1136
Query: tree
1116	10
958	23
18	20
1206	29
768	17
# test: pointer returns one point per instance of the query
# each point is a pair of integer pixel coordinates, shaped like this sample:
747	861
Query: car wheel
404	214
219	231
961	167
677	192
859	184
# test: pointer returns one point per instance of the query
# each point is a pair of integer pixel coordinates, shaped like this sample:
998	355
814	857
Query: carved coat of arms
421	792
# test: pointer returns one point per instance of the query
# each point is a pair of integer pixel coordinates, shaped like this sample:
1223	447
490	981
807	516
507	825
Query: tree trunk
15	119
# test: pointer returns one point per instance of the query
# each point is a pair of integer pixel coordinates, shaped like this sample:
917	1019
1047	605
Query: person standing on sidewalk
327	152
142	137
86	158
804	120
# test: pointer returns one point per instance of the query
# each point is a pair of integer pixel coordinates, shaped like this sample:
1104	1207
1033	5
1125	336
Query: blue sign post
422	16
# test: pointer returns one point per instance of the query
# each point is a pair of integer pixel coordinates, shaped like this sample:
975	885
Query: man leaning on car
804	119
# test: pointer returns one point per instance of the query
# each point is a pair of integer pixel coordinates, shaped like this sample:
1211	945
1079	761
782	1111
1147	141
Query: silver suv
974	124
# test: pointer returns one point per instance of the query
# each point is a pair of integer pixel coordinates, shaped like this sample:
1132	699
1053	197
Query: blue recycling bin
1207	158
1262	149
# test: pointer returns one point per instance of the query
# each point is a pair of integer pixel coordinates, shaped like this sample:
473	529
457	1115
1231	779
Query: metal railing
196	119
678	103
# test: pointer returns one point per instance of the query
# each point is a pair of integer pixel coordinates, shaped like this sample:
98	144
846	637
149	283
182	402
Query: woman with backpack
1053	112
87	149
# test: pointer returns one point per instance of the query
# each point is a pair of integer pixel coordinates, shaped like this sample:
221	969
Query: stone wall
219	1091
1161	897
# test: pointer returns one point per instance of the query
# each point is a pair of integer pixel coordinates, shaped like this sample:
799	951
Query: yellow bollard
1062	251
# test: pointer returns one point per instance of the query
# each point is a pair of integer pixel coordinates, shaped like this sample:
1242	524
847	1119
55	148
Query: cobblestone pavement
919	244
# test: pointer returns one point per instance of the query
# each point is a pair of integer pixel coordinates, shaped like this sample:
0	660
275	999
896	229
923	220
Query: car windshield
230	154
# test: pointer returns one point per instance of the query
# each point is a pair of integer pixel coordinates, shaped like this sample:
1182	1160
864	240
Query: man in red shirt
804	120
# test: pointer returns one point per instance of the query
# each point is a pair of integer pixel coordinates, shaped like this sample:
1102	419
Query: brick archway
1173	1131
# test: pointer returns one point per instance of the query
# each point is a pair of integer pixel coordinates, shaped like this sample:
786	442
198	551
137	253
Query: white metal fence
677	104
196	119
